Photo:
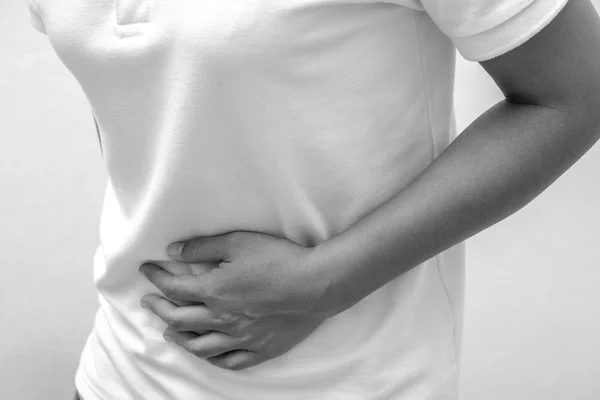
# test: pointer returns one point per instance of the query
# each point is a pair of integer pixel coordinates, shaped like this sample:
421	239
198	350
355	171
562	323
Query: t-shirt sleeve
34	16
484	29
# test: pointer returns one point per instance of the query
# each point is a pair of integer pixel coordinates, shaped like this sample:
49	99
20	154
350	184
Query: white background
532	302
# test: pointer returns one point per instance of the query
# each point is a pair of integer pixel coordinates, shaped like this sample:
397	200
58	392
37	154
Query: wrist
336	293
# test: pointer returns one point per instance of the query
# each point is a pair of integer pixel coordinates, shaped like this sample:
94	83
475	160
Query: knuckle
174	323
260	343
169	292
209	293
263	344
247	340
242	332
192	248
227	319
201	352
234	241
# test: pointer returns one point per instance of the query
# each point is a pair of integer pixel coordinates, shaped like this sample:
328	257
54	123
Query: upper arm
544	52
559	66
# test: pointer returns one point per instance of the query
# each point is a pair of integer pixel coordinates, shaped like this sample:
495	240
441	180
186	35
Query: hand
257	304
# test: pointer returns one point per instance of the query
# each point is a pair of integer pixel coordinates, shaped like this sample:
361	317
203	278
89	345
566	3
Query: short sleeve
34	17
484	29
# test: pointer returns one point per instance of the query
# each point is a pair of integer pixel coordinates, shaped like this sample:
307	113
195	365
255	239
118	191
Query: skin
255	305
267	293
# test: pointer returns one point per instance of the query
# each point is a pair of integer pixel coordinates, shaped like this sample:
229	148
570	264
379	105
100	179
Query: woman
302	152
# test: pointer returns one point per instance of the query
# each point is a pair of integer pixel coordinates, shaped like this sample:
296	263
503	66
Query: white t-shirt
295	118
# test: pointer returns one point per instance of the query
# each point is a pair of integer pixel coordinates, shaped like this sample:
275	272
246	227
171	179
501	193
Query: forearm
498	164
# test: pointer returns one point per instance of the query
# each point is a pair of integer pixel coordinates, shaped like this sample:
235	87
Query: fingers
204	346
217	348
203	249
236	360
195	317
184	287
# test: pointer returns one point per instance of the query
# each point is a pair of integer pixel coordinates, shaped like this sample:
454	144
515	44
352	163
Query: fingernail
174	249
168	338
145	268
145	305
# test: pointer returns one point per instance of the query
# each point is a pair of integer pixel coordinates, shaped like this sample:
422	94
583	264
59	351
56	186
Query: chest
240	29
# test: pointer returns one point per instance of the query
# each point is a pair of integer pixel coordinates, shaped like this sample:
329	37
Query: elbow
582	115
